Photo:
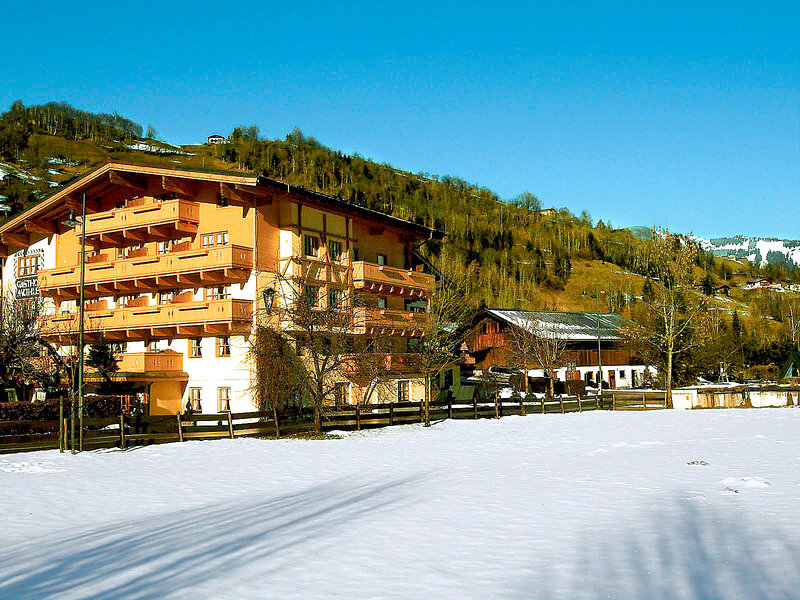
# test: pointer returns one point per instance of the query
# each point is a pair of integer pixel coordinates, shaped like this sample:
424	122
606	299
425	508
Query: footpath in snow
662	504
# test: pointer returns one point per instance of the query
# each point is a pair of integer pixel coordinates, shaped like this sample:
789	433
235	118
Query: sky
684	115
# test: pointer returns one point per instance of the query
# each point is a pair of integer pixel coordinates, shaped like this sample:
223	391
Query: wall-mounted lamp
269	298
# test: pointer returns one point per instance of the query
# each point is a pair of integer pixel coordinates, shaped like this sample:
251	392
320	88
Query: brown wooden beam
190	330
3	251
177	186
16	239
41	226
128	181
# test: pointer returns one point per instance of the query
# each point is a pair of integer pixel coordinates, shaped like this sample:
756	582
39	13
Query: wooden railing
166	317
229	264
383	279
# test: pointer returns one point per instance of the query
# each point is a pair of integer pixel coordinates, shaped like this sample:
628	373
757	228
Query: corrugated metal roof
572	326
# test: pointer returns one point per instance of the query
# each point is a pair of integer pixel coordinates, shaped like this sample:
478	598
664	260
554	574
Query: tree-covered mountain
517	256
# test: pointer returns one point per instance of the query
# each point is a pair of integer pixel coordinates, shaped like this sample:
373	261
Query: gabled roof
570	326
45	217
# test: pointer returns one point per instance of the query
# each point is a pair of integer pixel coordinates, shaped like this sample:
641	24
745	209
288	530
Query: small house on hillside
216	139
490	342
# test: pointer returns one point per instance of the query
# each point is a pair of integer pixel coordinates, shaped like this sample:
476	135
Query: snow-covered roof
571	326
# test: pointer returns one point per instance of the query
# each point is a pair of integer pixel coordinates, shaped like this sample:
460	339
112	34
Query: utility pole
599	357
80	325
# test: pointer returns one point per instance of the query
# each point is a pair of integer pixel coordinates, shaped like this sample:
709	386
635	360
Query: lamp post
71	222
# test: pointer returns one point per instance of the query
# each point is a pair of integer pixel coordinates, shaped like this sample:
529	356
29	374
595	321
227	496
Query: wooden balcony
313	270
173	270
146	220
376	321
166	321
150	362
391	281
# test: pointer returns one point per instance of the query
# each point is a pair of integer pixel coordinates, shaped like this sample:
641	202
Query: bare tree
374	368
449	309
538	341
278	372
670	322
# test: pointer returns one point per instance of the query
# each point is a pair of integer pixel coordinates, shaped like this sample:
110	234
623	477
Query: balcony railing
377	321
316	271
383	279
151	221
150	362
187	268
166	321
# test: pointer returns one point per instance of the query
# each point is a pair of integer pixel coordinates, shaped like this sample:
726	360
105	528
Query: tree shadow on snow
171	553
684	551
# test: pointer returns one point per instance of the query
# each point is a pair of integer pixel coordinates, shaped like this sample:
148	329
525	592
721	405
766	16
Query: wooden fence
126	431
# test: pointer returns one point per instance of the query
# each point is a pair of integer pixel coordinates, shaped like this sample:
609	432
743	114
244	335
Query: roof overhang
115	181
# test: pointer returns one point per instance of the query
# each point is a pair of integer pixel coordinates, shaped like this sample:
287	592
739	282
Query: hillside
516	256
761	251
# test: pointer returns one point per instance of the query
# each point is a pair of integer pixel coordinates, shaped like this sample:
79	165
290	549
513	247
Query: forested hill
517	256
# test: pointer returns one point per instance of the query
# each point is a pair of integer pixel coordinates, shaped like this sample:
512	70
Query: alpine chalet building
179	266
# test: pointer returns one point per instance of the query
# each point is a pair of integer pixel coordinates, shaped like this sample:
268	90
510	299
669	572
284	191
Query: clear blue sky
685	115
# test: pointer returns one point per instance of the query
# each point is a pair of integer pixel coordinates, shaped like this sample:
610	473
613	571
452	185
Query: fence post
475	406
421	411
580	408
391	414
358	417
122	431
644	401
230	424
449	407
180	427
613	401
543	399
64	434
561	403
277	426
521	406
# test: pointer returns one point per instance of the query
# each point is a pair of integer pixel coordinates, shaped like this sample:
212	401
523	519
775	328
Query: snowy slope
666	504
756	250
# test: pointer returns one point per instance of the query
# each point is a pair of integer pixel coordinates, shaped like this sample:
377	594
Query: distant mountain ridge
758	250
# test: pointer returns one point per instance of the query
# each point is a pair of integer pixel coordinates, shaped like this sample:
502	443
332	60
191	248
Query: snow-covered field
663	504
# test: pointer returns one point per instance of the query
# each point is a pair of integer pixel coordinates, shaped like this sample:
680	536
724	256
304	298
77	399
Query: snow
661	504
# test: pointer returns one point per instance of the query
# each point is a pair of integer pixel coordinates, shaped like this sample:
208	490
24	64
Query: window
196	348
166	297
310	296
341	393
218	238
383	302
310	245
335	299
402	390
355	253
124	301
27	265
622	373
334	250
218	293
119	347
163	247
223	347
223	399
194	400
152	346
416	306
381	259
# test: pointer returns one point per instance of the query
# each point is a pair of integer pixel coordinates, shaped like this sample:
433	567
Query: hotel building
177	263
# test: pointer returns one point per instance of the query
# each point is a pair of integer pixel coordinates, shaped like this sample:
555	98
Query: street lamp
72	222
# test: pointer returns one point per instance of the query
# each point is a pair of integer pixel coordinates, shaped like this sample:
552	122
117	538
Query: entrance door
612	379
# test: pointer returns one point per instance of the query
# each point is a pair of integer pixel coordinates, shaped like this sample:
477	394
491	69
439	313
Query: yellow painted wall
165	397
